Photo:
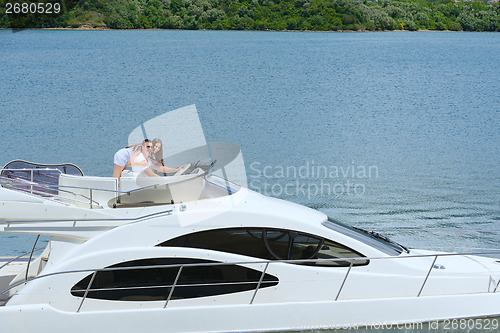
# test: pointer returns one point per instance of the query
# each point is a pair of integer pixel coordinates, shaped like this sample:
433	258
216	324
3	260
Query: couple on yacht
144	158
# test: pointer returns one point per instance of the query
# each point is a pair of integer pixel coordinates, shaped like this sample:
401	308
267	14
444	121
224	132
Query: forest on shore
308	15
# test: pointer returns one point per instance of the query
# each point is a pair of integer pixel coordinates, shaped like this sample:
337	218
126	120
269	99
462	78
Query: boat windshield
370	238
177	139
35	178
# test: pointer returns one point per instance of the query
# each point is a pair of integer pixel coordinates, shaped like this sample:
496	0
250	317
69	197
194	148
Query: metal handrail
32	171
133	219
173	286
79	187
427	276
228	189
12	183
19	257
97	189
87	291
431	229
260	282
18	182
31	256
345	279
267	262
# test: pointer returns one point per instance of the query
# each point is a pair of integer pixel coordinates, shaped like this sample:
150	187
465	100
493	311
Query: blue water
379	130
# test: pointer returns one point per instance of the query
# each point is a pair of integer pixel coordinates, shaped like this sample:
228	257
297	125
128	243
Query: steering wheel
182	170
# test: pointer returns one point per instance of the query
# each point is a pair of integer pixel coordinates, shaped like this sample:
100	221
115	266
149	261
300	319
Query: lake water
380	130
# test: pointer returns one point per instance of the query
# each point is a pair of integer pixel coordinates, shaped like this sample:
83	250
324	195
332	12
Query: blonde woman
156	157
144	163
126	157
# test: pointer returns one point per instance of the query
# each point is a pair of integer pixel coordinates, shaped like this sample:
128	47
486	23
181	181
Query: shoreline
298	16
88	28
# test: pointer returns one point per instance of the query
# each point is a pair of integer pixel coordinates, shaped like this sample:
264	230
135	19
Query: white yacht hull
208	256
375	313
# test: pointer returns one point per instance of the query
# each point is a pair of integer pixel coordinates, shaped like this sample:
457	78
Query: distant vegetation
317	15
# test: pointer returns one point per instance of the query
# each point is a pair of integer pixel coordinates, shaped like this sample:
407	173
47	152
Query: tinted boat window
270	244
374	240
143	280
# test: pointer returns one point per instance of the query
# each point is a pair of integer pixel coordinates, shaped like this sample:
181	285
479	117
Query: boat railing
17	177
8	223
34	250
28	255
493	286
85	200
55	191
222	183
47	190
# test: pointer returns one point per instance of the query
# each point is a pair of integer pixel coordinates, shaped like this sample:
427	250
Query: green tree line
314	15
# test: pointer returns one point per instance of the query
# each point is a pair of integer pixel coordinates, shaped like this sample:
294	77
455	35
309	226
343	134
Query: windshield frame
379	243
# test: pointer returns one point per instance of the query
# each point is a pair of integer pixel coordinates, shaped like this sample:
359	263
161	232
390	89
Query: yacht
197	246
194	252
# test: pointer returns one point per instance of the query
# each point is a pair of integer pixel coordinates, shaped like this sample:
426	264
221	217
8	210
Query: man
143	164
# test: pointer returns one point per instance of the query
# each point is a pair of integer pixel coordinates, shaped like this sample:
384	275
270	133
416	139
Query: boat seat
77	189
